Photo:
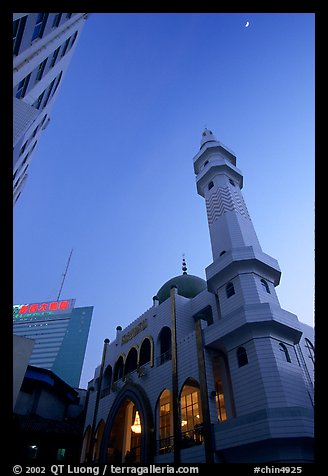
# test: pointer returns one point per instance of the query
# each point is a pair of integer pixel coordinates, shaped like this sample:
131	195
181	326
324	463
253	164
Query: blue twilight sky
112	176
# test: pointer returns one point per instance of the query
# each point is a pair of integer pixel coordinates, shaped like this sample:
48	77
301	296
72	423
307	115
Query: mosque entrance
125	437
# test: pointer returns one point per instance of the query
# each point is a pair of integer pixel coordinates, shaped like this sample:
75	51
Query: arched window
310	348
210	185
230	290
222	252
191	414
242	356
98	439
164	346
145	352
106	382
118	369
284	349
265	285
131	361
165	422
86	444
222	387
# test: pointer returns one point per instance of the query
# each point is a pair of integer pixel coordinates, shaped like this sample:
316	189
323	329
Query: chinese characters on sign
43	307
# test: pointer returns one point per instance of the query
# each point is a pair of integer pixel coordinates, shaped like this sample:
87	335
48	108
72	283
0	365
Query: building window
230	290
222	252
220	403
232	182
191	415
23	148
39	25
21	89
131	361
38	102
61	454
210	185
145	352
18	30
65	47
165	443
205	163
57	20
242	356
41	70
284	349
265	285
164	346
32	451
310	348
118	369
73	40
54	57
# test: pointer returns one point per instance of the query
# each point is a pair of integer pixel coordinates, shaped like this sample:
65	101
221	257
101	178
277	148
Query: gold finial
184	265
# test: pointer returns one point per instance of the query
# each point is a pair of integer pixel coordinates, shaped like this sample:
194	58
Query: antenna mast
64	275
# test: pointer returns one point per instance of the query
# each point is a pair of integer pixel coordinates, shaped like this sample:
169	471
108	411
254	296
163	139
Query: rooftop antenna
64	275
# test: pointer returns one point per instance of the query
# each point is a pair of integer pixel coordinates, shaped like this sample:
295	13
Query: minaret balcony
217	166
211	148
241	260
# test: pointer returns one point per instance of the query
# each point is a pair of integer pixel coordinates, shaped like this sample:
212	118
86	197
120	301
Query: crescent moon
247	24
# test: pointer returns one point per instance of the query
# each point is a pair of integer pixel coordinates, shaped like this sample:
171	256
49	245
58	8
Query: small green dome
187	284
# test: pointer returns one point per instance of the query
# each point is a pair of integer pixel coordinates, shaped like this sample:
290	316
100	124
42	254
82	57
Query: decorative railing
188	439
163	358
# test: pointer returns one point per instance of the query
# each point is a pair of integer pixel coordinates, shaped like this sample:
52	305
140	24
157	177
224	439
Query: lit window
230	290
265	285
32	451
242	356
284	349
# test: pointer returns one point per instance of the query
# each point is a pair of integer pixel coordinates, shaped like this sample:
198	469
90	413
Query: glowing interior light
136	427
183	422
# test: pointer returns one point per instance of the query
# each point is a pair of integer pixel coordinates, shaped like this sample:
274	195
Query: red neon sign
43	307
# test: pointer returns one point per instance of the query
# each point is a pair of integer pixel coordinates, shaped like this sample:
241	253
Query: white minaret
260	340
235	246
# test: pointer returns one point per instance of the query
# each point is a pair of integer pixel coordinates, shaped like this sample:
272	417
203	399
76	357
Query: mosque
215	371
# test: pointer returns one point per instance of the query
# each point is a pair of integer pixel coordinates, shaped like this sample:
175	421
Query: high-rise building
60	333
43	47
215	371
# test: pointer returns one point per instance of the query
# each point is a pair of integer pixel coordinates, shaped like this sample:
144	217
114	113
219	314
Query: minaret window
222	252
242	356
210	185
205	163
232	182
230	290
310	348
265	285
284	349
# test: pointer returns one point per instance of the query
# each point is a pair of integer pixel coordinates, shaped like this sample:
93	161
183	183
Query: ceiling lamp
136	427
